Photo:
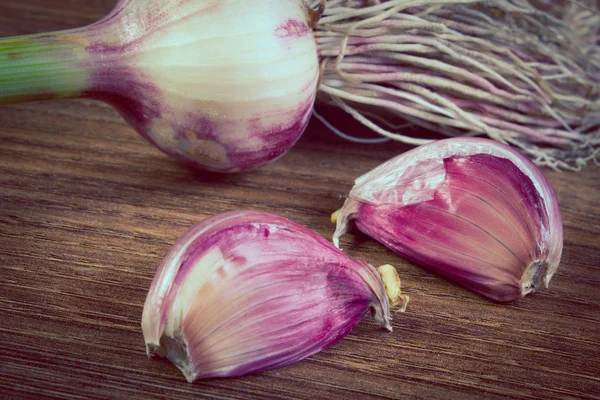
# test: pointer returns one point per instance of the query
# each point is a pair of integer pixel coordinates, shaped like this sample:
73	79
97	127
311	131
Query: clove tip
535	277
335	216
391	281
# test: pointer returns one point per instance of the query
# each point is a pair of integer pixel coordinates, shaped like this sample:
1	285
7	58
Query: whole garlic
221	85
247	291
473	210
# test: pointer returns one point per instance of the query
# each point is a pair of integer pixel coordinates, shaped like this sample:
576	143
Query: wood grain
88	209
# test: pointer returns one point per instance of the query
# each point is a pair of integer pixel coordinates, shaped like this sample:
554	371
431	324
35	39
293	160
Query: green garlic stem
42	66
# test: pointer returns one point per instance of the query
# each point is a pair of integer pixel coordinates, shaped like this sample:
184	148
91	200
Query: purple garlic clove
472	210
246	291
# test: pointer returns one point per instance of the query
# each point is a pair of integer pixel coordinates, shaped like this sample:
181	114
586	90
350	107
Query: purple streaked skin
445	229
482	220
281	294
292	29
139	102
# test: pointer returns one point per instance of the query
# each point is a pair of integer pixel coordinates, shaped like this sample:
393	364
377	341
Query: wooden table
88	209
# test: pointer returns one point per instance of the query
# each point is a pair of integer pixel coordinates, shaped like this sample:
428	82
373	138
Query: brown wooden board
88	209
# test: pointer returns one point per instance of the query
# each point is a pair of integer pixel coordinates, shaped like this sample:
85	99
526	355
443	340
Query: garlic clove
473	210
246	291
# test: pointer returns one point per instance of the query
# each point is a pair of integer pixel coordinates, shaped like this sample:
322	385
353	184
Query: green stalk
42	66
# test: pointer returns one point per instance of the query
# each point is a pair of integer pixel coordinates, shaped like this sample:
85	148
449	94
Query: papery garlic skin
247	291
473	210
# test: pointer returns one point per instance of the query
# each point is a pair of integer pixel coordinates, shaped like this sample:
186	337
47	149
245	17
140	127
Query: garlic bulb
247	291
221	85
473	210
